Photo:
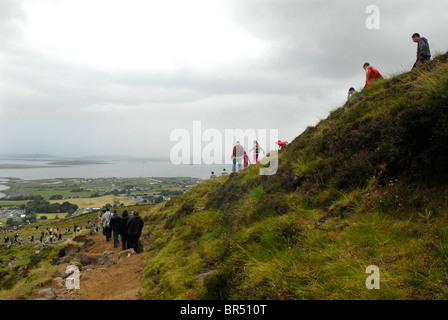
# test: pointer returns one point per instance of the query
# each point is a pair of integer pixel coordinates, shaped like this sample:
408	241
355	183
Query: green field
98	202
51	216
86	188
4	204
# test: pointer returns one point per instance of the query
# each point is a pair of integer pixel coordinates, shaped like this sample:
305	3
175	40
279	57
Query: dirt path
105	275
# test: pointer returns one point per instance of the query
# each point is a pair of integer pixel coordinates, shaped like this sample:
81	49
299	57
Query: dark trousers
107	233
115	236
420	62
125	241
133	242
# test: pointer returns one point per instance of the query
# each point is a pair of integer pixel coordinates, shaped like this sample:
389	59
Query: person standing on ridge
256	149
237	156
114	224
423	51
135	227
371	74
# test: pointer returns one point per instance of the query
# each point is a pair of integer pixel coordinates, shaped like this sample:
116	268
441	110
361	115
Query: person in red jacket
371	74
237	156
281	144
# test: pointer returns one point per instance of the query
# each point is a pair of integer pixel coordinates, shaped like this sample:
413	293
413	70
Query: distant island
76	162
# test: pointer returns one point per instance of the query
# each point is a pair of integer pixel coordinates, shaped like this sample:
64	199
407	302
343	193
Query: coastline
3	187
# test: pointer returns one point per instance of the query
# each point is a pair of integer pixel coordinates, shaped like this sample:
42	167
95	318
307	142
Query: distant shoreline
26	166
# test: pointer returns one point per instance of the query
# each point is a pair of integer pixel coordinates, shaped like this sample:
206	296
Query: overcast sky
91	77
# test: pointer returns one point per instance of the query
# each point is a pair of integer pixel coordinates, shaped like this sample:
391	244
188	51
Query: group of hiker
11	239
128	227
50	236
372	74
241	159
46	237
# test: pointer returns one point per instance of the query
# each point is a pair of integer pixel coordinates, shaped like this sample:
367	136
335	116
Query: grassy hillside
367	186
31	266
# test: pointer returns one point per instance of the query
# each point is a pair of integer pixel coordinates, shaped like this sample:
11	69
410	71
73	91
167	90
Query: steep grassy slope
366	186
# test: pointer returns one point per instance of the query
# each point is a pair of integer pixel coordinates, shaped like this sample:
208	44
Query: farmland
88	194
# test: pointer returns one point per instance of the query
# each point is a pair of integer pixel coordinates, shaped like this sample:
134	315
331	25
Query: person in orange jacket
371	74
281	144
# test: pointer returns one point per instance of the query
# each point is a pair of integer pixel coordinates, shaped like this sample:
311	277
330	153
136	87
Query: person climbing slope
372	74
281	144
423	50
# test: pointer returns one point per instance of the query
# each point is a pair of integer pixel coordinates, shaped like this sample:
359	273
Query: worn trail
106	273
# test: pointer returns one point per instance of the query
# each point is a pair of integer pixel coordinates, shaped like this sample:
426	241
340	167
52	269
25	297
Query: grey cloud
315	52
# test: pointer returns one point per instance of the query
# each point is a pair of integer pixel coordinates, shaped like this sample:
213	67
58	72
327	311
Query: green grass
5	204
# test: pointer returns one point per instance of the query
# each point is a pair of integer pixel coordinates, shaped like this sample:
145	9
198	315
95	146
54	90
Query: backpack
239	150
376	73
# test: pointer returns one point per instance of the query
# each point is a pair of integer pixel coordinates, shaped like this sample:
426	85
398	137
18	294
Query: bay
119	169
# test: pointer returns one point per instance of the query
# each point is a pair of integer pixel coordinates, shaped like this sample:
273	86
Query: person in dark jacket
423	50
115	222
135	226
123	231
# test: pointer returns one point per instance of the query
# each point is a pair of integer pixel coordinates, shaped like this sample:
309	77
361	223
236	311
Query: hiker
32	239
224	172
105	220
246	160
213	175
135	226
123	230
59	236
256	149
281	144
351	93
89	225
423	51
100	214
237	156
114	224
371	74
